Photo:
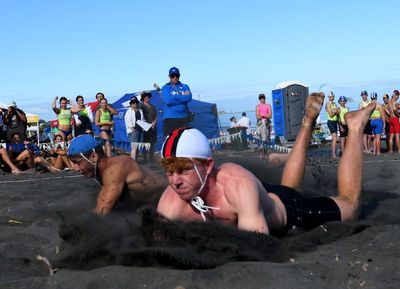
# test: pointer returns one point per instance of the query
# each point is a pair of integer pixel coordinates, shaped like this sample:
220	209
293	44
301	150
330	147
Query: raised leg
351	164
293	171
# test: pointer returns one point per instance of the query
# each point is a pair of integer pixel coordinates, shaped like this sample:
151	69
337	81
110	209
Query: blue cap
174	70
364	92
82	144
342	98
373	95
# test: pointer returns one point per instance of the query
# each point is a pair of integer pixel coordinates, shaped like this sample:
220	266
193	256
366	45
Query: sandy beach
50	239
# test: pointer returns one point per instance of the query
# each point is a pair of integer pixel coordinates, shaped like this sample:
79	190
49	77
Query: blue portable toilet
288	103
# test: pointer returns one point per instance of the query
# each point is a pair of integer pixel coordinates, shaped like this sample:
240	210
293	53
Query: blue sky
228	51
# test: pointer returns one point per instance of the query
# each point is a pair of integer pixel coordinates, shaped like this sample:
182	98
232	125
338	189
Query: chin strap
96	178
197	202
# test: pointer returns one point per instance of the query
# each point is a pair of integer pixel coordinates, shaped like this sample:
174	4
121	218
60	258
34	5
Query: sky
228	51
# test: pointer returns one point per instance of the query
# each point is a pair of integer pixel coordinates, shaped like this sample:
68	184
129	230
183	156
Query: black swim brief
304	212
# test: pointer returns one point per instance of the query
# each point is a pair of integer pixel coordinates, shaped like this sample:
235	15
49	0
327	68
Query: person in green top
105	123
367	139
341	111
378	122
83	119
64	116
332	112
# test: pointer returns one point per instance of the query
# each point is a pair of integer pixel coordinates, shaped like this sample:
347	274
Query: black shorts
343	130
332	125
304	212
368	128
170	124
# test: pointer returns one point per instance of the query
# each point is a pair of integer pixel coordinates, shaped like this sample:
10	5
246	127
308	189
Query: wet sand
49	215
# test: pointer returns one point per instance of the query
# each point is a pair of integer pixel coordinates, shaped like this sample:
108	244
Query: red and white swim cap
186	143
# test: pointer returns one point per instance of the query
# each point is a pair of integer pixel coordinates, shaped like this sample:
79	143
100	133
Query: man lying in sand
115	174
232	195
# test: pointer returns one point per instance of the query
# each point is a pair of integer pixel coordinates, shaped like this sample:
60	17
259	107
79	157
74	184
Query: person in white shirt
134	131
244	122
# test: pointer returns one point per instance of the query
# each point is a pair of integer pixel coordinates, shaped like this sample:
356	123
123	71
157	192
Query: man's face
174	78
99	96
83	166
80	101
185	182
364	97
16	138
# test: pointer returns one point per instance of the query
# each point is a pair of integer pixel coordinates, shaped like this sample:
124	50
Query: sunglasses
174	75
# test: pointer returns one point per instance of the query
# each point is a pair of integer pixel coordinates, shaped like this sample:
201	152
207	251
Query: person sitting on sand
58	154
117	174
21	154
198	191
8	164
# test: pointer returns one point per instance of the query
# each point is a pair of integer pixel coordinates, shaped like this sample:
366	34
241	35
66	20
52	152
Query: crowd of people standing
384	120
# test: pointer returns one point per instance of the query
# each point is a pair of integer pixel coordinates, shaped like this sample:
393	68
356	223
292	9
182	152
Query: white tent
33	121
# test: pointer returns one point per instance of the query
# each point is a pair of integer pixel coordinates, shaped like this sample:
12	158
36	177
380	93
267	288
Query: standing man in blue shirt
176	97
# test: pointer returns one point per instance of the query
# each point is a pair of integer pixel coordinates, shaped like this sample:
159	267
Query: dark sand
49	215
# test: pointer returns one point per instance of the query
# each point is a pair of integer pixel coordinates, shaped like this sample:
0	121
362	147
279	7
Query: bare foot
314	104
356	120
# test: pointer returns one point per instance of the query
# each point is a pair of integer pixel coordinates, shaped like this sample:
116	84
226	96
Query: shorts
367	128
170	124
305	212
394	125
343	130
377	126
136	136
333	126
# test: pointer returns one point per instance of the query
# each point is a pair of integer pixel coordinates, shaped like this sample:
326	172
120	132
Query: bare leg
351	164
7	160
333	144
41	161
133	151
294	169
398	142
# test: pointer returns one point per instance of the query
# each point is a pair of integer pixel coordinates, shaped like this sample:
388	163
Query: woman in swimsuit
263	115
64	116
105	123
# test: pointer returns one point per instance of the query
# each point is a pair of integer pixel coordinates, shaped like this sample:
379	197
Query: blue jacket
175	102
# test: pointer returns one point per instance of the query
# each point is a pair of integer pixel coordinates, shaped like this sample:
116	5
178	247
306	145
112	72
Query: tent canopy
205	120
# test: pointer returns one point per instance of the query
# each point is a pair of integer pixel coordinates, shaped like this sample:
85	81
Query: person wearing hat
150	115
133	129
263	116
176	96
16	122
232	195
367	140
119	176
378	121
394	124
343	129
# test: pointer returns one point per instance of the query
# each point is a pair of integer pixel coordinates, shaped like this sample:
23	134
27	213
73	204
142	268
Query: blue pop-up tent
205	120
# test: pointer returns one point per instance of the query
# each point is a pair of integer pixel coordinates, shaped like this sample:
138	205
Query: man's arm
171	99
114	178
242	192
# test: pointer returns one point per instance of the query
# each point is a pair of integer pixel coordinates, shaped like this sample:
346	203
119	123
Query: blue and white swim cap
82	144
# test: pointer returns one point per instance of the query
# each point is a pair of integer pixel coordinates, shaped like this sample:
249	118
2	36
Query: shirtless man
394	124
115	174
199	191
